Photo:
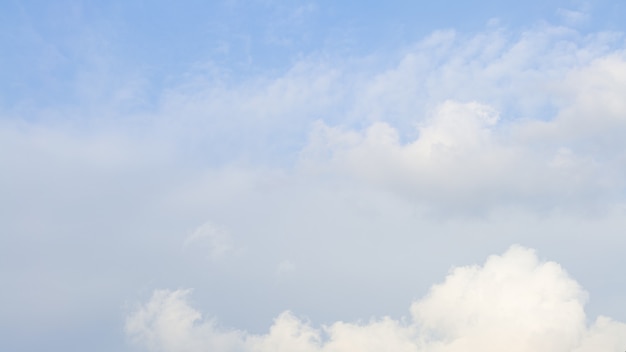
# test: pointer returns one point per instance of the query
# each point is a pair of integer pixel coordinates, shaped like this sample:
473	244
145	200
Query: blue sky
312	176
47	45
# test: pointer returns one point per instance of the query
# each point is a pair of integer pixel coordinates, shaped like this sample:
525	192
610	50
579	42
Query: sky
315	176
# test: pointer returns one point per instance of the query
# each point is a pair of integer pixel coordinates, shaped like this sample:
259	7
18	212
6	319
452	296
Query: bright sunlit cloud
512	302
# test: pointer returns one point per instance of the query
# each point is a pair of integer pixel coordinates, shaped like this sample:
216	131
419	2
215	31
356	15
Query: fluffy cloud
533	121
513	302
472	155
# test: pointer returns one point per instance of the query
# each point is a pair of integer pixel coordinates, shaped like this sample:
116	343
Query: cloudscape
513	302
312	176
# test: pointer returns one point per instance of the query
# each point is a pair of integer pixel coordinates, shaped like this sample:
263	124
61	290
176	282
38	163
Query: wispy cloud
217	242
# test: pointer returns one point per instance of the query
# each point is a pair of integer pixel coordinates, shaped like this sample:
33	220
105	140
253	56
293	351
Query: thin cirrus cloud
512	302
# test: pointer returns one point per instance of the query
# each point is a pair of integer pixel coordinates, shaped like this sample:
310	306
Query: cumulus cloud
462	158
513	302
478	151
168	323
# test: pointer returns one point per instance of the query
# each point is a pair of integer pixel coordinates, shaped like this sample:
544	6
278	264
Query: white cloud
463	159
573	17
285	268
168	323
514	302
534	122
215	240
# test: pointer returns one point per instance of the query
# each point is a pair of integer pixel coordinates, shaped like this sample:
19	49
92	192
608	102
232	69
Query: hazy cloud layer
512	302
